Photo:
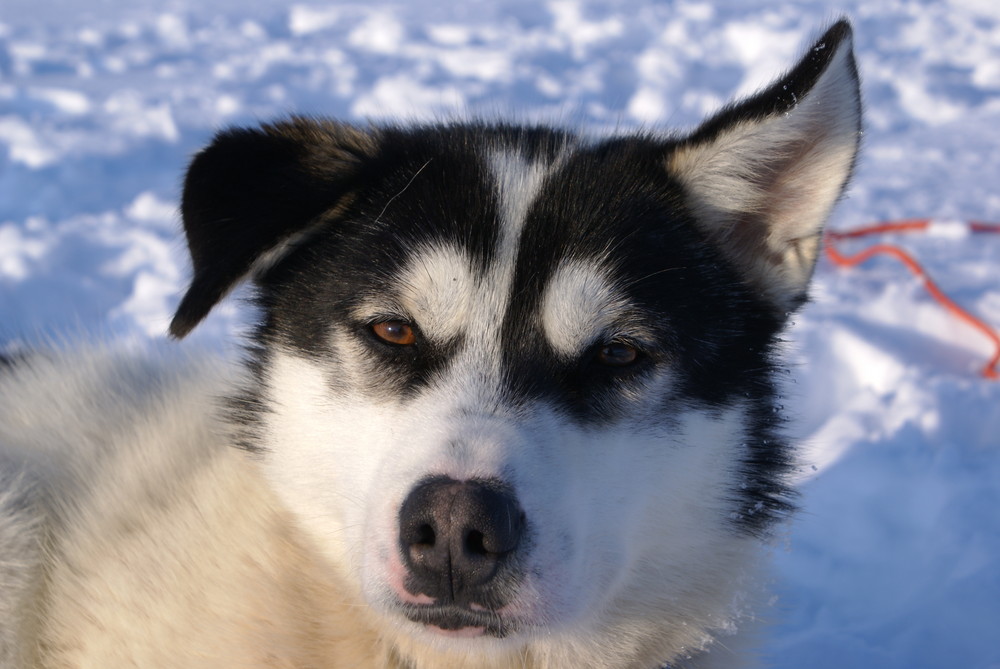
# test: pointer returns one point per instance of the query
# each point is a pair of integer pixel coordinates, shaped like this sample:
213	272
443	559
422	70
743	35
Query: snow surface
895	561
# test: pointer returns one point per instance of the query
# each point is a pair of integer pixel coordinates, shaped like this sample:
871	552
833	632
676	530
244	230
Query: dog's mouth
457	621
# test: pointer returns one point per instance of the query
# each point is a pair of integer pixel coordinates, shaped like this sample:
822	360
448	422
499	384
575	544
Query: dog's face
504	393
514	383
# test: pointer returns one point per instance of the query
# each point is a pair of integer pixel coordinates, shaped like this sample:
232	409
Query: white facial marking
518	184
437	291
579	307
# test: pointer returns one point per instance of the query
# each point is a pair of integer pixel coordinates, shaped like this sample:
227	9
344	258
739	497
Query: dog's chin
456	622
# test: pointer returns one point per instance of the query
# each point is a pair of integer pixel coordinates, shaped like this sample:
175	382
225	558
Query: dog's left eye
617	354
398	333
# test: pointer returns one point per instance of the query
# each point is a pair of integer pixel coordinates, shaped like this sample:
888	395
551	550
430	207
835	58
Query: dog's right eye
617	354
398	333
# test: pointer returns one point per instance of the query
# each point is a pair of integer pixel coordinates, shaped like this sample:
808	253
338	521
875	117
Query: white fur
166	547
20	563
518	184
346	468
150	540
656	552
435	290
162	529
787	170
580	306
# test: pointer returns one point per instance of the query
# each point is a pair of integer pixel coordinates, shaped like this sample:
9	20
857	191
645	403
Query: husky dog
510	402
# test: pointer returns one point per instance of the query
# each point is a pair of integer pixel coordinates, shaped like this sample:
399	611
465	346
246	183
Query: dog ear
253	193
763	174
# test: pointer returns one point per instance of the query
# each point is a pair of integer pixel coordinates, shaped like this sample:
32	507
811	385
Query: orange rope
979	226
990	371
910	225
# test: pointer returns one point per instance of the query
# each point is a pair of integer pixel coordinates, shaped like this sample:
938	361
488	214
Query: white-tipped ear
762	176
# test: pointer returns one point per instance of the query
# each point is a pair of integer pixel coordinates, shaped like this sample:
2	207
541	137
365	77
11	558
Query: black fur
357	202
715	332
253	189
786	92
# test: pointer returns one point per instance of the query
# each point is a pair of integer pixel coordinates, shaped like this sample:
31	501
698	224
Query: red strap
990	371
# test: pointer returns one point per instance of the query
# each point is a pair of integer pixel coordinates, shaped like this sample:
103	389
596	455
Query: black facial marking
611	204
615	207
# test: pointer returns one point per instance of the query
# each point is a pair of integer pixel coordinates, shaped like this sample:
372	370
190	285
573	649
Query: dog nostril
474	543
424	536
421	543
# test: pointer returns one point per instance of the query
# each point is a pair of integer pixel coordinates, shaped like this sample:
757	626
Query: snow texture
895	561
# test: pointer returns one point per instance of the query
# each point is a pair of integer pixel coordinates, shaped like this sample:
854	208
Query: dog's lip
463	633
459	621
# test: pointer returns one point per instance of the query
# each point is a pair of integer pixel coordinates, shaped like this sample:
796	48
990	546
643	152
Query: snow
895	560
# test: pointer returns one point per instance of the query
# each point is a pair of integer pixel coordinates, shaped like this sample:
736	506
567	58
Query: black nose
459	540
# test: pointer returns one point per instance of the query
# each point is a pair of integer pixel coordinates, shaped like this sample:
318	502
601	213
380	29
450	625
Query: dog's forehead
441	291
450	290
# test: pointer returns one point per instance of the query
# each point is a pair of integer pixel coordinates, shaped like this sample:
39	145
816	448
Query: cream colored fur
151	541
763	189
134	534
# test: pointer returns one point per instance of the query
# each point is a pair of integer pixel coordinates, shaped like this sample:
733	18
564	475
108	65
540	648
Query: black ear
763	174
252	193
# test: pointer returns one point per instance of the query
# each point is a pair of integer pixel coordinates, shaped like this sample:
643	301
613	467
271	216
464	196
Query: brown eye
617	354
395	332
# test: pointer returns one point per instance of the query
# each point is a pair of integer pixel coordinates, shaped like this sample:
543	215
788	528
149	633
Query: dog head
514	382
